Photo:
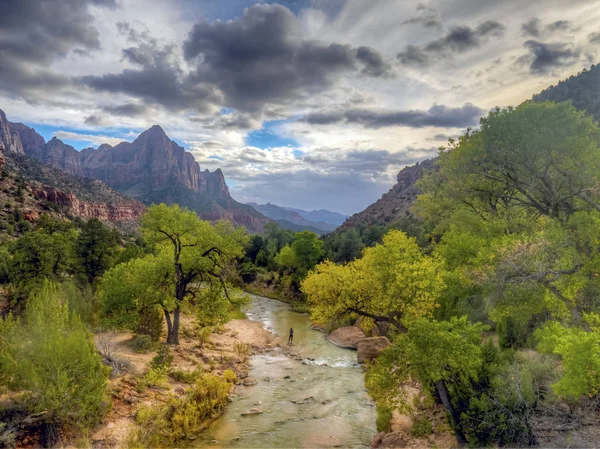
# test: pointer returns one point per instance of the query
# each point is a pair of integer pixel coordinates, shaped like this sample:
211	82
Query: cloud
413	55
458	39
97	120
594	38
559	25
261	58
129	109
544	58
437	116
36	33
534	28
531	27
94	139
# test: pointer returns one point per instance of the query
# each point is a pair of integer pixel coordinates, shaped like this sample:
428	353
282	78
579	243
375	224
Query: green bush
51	356
181	418
186	377
384	418
421	428
142	343
163	358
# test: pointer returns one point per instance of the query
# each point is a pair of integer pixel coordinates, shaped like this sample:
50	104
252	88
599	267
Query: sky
302	103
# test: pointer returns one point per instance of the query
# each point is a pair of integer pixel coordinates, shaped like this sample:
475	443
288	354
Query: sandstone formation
346	337
131	211
395	204
153	169
370	347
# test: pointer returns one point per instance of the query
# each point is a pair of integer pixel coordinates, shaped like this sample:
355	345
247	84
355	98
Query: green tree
191	257
434	352
392	282
45	253
96	248
51	356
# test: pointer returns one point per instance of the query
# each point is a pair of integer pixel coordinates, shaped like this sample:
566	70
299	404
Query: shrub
142	343
229	376
52	356
421	428
186	377
181	418
203	335
241	349
384	418
163	358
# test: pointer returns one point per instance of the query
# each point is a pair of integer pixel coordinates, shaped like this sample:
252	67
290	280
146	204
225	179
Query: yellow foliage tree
392	282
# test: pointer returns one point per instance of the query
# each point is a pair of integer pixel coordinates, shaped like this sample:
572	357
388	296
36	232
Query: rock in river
369	348
249	381
252	411
346	337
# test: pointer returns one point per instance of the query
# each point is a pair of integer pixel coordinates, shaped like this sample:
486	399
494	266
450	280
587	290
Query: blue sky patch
267	137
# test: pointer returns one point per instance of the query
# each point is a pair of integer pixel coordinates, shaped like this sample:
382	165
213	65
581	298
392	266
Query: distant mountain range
151	169
318	221
583	90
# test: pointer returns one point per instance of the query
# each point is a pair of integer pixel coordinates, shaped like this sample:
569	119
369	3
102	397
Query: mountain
321	216
395	204
152	169
30	188
284	224
296	219
583	90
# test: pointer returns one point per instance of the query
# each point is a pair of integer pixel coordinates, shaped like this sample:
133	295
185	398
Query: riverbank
230	349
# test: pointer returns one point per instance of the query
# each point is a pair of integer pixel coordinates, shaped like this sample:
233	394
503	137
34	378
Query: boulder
249	381
376	441
252	411
393	440
370	347
346	337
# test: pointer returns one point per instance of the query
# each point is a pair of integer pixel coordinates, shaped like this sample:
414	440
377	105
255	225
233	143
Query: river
319	402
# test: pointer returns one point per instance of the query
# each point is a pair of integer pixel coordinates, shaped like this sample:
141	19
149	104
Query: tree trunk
48	434
176	326
170	340
445	397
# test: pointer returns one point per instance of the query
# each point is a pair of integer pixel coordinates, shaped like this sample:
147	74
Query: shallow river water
323	402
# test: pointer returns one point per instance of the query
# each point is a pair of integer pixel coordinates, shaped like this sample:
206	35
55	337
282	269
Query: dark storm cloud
437	116
158	78
35	33
458	39
96	120
261	58
413	55
159	84
128	109
543	58
374	64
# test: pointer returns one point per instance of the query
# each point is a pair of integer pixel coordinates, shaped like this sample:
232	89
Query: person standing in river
291	339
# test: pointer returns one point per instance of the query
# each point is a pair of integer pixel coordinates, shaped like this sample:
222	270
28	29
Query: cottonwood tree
191	257
434	352
392	282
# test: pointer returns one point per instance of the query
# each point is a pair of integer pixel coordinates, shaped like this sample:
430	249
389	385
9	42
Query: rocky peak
394	205
33	143
9	138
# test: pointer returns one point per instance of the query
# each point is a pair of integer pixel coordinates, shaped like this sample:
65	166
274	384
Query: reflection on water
320	402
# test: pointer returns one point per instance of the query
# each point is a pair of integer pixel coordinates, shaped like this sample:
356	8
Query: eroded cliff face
9	138
395	204
103	211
